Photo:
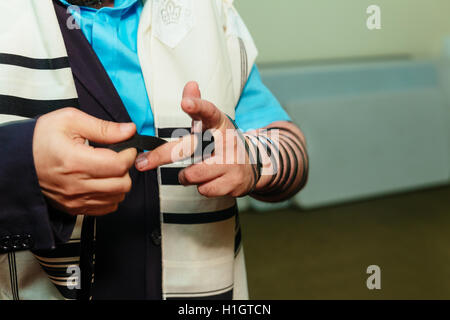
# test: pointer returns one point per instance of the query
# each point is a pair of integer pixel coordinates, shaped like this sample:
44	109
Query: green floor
324	253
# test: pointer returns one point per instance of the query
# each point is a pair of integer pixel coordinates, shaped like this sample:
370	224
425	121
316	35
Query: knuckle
70	112
132	155
69	166
207	191
72	207
235	193
104	127
127	184
203	190
189	175
122	167
69	190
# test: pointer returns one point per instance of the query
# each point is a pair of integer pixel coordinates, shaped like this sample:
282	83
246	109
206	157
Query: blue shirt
112	33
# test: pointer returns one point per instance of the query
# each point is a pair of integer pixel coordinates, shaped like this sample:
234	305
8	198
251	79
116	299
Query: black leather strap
139	142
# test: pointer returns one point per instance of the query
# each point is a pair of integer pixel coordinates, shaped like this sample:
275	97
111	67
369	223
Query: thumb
191	90
101	131
198	109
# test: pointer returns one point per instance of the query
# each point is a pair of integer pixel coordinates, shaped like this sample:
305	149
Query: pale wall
299	30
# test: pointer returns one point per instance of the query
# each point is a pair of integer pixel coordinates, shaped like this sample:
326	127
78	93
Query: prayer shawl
178	41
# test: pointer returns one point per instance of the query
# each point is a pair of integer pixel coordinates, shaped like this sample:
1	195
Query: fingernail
141	161
126	127
181	177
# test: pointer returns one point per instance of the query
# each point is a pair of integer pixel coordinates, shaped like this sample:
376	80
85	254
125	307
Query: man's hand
221	174
77	178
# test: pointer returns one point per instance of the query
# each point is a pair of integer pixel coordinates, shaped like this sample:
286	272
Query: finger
127	157
75	208
191	90
100	162
97	130
216	188
170	152
200	110
201	173
106	186
99	200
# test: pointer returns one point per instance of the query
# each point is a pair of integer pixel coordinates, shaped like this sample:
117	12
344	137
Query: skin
105	3
82	180
212	180
74	177
77	178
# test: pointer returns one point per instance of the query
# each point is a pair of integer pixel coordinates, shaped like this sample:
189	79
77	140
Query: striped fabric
17	97
201	257
13	275
202	254
36	79
57	264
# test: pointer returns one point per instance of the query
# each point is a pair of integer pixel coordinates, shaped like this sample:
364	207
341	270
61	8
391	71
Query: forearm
281	149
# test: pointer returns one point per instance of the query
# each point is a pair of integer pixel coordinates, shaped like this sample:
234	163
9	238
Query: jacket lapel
88	71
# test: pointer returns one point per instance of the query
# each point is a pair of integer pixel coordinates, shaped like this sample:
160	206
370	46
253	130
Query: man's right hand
75	177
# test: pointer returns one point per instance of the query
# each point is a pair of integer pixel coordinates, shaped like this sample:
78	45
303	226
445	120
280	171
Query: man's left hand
219	175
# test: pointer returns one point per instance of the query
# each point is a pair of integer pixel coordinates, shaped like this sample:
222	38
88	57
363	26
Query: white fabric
33	84
202	55
172	20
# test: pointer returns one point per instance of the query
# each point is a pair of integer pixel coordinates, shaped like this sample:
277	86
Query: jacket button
156	237
5	243
16	241
27	241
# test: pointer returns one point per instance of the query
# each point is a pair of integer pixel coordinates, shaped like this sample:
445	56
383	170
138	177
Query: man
161	224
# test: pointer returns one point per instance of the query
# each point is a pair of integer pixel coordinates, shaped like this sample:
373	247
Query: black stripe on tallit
32	63
206	295
31	108
198	218
13	275
228	295
169	176
167	133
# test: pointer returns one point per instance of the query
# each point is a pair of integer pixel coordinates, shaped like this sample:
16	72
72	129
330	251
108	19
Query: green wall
299	30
